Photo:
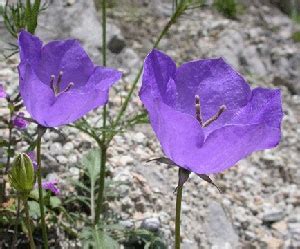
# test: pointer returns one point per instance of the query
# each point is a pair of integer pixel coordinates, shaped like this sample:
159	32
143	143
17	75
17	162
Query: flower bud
21	175
19	121
2	92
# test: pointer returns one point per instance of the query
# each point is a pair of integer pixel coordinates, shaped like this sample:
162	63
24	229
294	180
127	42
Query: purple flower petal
180	134
226	146
250	122
72	105
51	185
263	107
158	78
67	97
32	156
30	48
37	96
19	121
2	92
217	84
66	56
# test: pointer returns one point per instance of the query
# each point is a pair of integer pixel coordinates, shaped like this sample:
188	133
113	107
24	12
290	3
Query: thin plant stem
177	222
14	241
102	144
100	198
39	178
92	201
179	10
31	241
10	127
104	32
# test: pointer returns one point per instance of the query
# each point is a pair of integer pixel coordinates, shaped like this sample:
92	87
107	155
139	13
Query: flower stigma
222	108
55	86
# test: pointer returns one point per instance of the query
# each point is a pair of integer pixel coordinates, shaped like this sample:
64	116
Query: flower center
222	108
55	85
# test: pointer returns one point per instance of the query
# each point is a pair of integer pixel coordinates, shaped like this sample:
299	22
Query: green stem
39	178
100	197
32	245
177	222
104	60
104	32
92	201
3	185
102	144
179	10
14	241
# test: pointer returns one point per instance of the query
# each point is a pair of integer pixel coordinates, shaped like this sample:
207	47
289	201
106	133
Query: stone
74	172
56	148
230	46
162	8
126	204
292	86
116	44
127	223
125	160
5	72
218	227
252	61
287	6
68	147
72	159
77	20
151	224
188	244
280	227
272	216
273	243
139	137
123	175
62	159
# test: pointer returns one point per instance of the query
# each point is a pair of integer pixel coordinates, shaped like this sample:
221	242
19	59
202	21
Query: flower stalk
100	197
41	131
178	212
3	184
180	8
14	241
102	144
31	241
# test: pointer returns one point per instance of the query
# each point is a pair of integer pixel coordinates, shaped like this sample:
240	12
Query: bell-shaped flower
19	121
2	92
204	113
51	186
58	81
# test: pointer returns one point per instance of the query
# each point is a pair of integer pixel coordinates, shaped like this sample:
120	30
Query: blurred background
260	203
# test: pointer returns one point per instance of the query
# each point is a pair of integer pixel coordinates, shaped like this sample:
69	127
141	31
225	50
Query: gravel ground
260	203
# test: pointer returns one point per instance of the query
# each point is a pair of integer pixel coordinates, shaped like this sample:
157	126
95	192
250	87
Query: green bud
22	175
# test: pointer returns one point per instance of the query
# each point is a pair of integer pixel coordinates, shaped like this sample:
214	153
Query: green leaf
3	143
34	194
34	209
158	244
83	199
91	162
80	185
2	165
141	118
104	241
55	202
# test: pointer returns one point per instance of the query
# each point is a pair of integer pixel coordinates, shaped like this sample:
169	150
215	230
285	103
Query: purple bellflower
51	185
58	81
19	121
2	92
205	115
32	156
